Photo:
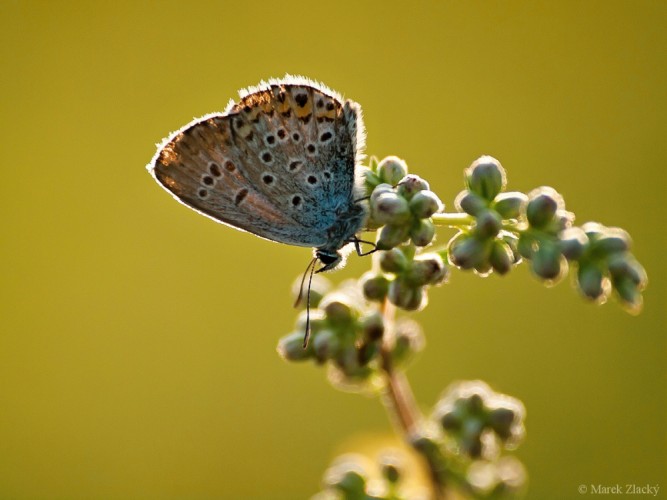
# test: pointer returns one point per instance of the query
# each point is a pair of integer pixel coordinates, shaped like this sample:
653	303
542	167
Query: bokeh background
137	342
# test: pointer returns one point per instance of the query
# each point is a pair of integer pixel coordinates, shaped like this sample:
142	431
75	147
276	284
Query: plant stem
465	221
456	220
400	402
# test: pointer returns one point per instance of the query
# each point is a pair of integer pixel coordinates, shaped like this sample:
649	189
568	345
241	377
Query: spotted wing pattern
280	163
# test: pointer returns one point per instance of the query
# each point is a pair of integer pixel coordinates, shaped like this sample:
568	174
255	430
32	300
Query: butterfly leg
357	246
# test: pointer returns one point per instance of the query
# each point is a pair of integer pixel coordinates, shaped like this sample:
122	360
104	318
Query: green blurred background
137	343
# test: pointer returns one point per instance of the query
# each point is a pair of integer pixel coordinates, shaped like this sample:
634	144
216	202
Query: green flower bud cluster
346	334
509	226
539	242
344	331
463	440
486	247
478	420
604	263
602	254
404	277
388	171
349	478
401	204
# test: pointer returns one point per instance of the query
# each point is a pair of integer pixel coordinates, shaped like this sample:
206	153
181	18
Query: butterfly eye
327	258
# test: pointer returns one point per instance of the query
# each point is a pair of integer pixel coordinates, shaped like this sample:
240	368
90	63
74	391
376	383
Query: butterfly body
282	163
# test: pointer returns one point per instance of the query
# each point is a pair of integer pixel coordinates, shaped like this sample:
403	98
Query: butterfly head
329	259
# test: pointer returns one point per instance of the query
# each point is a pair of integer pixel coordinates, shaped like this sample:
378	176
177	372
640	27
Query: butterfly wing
280	163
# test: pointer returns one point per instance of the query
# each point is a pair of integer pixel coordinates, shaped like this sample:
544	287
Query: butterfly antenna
310	281
303	280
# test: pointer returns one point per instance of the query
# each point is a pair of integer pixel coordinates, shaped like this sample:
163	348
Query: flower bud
317	320
325	345
466	251
470	203
590	281
347	359
451	421
483	268
475	402
528	244
486	177
391	170
410	185
501	257
488	224
375	286
624	266
630	295
373	326
389	208
563	220
502	420
337	308
542	207
424	204
510	205
391	236
573	242
425	443
349	478
371	179
367	351
613	240
594	230
471	445
427	269
393	261
390	466
547	262
409	340
290	347
405	296
423	232
380	189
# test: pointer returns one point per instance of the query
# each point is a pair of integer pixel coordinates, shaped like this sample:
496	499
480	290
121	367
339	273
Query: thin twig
399	399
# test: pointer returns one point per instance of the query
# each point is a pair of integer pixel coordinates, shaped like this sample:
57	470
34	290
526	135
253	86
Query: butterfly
283	163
